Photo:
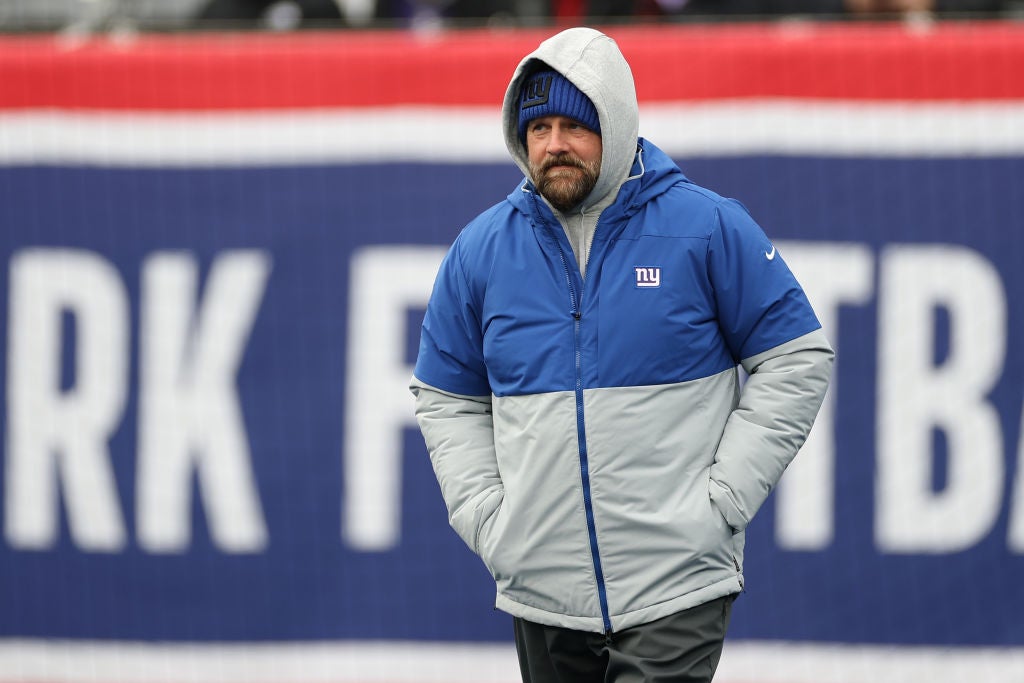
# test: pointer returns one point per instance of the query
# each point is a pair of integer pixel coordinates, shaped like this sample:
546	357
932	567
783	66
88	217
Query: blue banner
207	434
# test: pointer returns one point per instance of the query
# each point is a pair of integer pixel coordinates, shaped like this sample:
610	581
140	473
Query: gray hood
593	63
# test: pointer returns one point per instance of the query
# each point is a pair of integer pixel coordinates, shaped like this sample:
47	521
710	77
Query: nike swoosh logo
770	254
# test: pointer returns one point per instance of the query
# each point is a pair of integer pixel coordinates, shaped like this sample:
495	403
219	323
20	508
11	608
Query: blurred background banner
217	250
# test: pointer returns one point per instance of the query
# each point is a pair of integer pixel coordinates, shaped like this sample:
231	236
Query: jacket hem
733	584
620	622
539	616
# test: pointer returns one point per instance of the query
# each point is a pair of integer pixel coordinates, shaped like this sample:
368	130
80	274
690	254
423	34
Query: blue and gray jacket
577	383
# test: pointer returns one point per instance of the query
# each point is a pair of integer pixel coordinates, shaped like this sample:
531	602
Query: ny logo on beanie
549	93
536	92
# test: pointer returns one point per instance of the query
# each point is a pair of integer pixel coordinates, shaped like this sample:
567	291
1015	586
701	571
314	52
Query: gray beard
565	190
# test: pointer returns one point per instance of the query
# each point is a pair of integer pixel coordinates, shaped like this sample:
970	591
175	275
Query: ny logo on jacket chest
647	276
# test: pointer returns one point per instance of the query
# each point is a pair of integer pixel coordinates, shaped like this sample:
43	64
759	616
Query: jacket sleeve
459	433
777	407
453	401
772	331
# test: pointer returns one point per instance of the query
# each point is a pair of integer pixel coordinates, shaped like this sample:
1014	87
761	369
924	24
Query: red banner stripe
217	71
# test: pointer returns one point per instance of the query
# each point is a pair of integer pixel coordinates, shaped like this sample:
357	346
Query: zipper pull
739	572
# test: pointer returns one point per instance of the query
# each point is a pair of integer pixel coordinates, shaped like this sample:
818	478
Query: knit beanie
549	93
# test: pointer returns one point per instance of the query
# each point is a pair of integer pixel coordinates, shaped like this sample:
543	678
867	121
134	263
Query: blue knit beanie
549	93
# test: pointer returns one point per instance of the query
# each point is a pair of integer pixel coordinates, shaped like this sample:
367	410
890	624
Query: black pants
681	648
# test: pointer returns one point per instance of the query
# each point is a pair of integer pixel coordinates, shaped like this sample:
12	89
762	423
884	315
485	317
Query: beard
565	188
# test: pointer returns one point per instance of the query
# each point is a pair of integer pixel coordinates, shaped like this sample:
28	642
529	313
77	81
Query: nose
558	141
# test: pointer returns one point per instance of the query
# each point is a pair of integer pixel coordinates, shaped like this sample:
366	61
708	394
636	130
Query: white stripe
299	136
779	662
843	129
51	661
473	134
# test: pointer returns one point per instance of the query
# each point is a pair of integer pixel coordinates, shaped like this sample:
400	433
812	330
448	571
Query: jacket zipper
581	435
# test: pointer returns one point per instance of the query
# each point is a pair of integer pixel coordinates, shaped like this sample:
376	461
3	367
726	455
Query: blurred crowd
295	14
425	12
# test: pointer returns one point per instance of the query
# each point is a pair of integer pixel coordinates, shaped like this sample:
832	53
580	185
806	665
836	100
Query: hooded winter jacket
577	382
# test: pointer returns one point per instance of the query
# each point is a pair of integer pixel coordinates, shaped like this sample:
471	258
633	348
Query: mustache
562	160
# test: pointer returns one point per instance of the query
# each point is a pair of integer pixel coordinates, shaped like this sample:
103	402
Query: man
578	391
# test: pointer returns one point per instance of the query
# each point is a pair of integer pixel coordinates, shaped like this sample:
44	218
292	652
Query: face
565	159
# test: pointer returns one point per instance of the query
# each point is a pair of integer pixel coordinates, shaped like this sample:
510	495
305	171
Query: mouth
559	169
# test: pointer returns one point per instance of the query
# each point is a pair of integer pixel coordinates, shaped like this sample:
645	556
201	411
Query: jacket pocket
487	513
718	495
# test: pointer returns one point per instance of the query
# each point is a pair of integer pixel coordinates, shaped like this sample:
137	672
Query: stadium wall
217	249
